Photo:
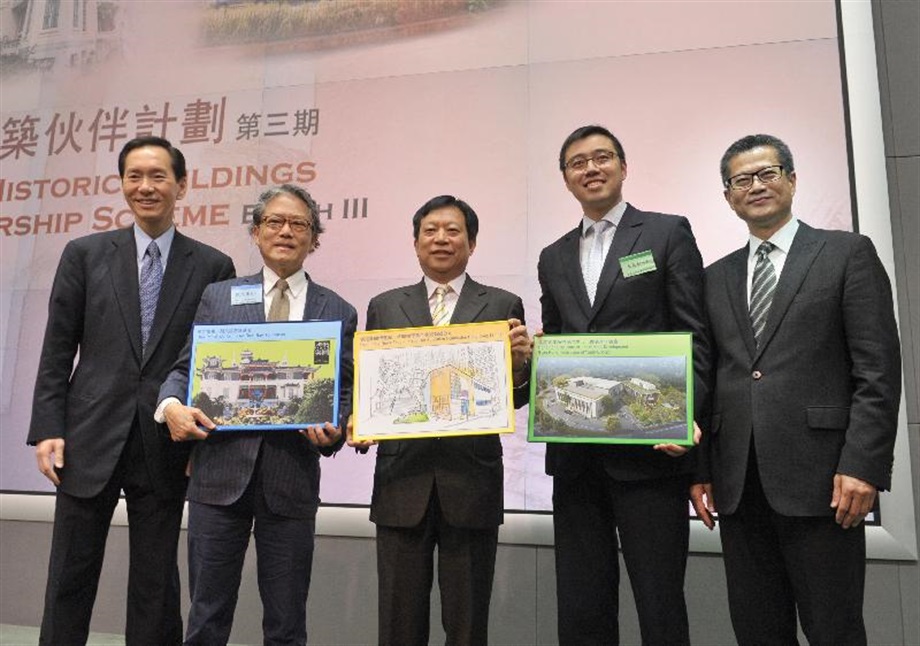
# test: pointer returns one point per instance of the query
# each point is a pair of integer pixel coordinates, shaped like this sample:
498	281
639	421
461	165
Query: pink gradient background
478	111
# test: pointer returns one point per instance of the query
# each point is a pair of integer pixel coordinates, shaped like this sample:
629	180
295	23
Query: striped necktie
762	288
150	282
439	313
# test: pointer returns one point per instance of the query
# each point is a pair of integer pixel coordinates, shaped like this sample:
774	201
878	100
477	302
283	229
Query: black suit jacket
467	471
821	394
95	310
223	464
669	299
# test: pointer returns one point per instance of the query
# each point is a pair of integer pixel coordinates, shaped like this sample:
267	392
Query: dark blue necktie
151	279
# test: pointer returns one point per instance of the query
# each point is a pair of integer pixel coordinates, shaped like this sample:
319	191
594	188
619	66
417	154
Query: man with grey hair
266	482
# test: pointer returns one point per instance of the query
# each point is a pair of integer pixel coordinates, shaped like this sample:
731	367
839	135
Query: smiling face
283	249
765	207
151	189
598	189
443	246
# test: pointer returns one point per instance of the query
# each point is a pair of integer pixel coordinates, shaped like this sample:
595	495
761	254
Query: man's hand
350	437
677	450
703	503
50	455
521	350
853	499
183	422
322	435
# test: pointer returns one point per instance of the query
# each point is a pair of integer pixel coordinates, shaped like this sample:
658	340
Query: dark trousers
466	567
775	564
81	526
218	537
651	518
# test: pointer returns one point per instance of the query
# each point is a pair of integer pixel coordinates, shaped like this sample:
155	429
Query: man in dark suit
805	401
442	492
262	481
93	425
600	491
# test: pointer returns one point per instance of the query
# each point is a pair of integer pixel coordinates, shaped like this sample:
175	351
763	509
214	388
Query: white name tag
245	294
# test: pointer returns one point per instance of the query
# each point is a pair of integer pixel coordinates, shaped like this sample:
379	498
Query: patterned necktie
439	313
151	280
762	288
595	262
281	305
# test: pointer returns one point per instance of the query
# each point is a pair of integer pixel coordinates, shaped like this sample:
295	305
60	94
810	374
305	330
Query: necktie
151	280
595	262
762	288
439	313
281	305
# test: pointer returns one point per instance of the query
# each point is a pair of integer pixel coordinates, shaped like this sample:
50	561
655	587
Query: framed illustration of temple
433	382
612	389
266	376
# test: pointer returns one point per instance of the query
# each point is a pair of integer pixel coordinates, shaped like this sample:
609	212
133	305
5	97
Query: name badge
245	294
638	263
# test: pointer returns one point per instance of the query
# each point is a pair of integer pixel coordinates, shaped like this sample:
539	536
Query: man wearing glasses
250	482
602	491
804	408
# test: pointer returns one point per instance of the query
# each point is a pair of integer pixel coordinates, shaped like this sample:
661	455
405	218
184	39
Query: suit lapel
414	304
316	301
624	241
123	272
804	250
570	262
473	299
736	286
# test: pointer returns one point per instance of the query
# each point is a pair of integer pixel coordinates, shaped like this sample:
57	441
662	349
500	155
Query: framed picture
612	389
266	376
433	382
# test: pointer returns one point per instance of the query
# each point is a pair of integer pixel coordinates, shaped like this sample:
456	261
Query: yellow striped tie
439	313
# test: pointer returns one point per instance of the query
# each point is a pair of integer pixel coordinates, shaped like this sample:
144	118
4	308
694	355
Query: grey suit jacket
223	464
821	394
669	299
467	471
95	310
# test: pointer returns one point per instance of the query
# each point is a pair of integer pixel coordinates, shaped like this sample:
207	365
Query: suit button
592	329
757	374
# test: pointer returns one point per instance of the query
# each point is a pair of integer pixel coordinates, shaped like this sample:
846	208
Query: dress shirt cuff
159	415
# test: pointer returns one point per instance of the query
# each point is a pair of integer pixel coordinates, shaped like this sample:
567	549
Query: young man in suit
123	301
600	492
266	482
442	492
804	414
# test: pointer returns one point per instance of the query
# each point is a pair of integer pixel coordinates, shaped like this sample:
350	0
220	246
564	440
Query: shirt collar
164	242
613	216
456	284
297	282
782	239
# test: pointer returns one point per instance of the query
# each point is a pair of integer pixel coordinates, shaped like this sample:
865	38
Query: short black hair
583	133
290	189
178	159
439	202
751	142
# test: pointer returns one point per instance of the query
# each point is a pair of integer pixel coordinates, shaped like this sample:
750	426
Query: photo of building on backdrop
622	389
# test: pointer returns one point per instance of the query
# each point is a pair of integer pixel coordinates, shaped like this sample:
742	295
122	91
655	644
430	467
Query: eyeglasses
600	158
744	181
277	222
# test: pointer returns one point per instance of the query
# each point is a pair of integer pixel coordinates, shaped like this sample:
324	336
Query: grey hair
301	194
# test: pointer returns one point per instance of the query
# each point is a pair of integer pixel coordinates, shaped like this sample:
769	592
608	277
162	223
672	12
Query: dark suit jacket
223	464
95	309
669	299
821	394
467	471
